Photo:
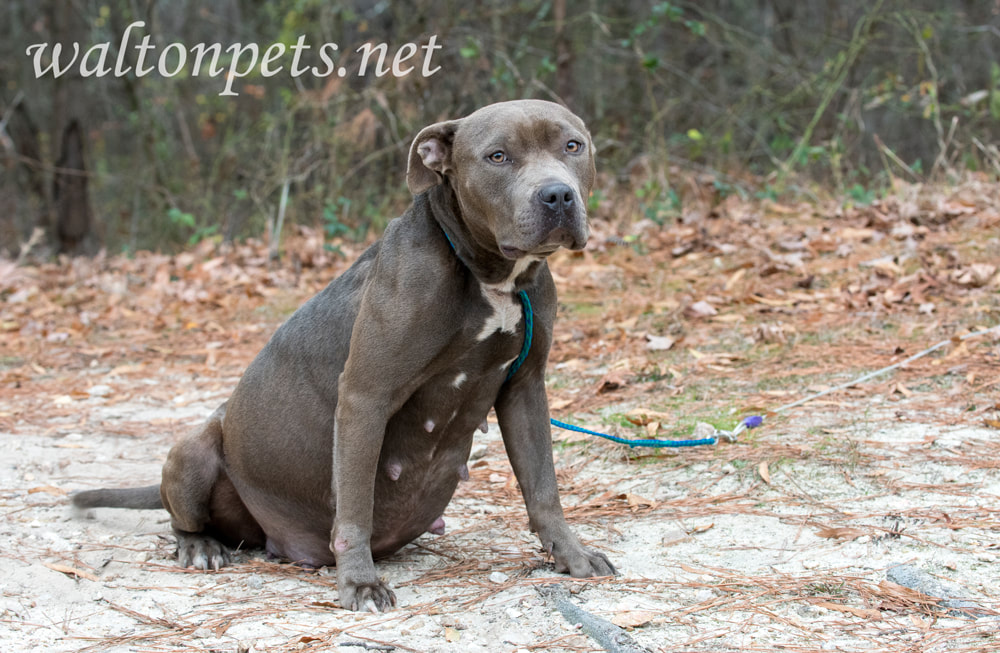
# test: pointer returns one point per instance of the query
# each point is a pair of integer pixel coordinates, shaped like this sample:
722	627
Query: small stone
499	577
255	582
478	451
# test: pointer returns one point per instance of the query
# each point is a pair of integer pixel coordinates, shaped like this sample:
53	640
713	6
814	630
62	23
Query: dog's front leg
359	430
523	412
388	354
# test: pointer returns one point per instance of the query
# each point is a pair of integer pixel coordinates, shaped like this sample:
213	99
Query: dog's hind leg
206	511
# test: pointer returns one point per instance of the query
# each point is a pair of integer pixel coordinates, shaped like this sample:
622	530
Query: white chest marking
459	380
506	308
505	315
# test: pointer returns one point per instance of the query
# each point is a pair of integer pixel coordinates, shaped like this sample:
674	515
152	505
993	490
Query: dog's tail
136	498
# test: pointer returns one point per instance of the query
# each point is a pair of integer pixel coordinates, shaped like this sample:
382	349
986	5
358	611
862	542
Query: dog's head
522	173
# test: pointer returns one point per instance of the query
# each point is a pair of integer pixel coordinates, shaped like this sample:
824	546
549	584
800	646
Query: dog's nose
557	197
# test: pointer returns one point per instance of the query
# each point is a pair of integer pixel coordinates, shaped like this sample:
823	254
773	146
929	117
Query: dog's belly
406	504
423	457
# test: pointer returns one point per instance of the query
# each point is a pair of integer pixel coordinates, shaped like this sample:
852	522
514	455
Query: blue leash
753	421
748	423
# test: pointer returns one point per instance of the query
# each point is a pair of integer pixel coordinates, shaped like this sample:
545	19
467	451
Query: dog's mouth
512	253
559	237
515	253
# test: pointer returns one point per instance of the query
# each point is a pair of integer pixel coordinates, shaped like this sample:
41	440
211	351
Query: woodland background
790	195
689	102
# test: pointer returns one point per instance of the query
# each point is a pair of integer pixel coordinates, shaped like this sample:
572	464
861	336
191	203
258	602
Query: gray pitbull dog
346	437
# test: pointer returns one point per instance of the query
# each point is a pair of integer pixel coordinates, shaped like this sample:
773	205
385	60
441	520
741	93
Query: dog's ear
430	156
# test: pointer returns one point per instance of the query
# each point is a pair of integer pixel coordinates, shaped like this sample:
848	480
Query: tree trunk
74	221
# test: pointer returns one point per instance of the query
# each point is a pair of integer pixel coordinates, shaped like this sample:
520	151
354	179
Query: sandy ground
725	548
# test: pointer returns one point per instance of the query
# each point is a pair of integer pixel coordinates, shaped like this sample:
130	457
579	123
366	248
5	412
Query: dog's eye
574	147
498	157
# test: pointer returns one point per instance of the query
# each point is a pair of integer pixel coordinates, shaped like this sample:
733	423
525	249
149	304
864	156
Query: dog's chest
503	314
504	308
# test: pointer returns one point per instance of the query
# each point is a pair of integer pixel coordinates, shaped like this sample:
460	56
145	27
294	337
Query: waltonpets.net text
243	59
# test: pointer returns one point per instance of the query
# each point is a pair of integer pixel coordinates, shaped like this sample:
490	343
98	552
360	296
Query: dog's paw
201	552
581	562
368	597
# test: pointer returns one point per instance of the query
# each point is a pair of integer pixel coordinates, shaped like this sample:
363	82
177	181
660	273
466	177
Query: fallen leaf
635	501
70	571
701	309
645	415
771	302
659	343
842	533
976	275
633	618
559	403
870	614
613	380
701	529
49	489
451	635
765	475
770	333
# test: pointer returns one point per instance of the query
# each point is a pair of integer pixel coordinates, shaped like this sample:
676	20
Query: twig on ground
369	647
919	580
612	638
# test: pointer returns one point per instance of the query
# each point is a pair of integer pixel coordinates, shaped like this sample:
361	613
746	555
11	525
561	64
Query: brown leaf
765	474
613	380
644	415
635	502
71	571
841	533
49	489
633	618
870	614
976	275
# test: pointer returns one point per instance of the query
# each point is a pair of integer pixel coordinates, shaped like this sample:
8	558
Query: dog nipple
463	472
483	427
429	425
394	469
437	528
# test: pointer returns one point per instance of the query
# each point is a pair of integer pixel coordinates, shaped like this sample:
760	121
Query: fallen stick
369	647
921	581
610	637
